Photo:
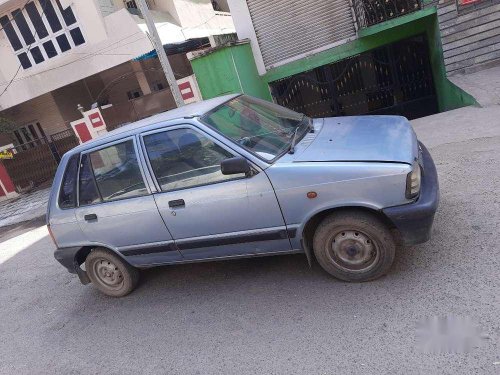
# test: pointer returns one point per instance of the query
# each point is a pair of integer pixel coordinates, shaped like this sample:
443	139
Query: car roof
187	111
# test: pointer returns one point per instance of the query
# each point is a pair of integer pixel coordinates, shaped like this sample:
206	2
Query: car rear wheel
110	274
354	246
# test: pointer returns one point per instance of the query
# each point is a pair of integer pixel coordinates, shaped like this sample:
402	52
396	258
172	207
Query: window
184	158
111	173
216	6
134	94
37	21
37	55
29	135
158	86
67	195
33	131
69	17
26	134
51	15
262	127
50	49
40	129
11	34
24	60
23	27
130	4
77	36
41	31
18	137
63	43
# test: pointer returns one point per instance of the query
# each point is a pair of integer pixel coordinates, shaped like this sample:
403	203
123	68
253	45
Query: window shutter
287	28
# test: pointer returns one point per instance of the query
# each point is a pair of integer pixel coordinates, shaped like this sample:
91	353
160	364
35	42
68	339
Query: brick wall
470	35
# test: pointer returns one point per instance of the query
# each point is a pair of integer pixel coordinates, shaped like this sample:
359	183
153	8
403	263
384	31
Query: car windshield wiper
310	128
294	139
310	124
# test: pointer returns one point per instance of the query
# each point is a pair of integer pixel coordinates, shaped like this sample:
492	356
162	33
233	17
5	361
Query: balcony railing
131	6
371	12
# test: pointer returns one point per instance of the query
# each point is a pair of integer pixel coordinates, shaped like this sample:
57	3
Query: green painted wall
450	96
232	69
229	70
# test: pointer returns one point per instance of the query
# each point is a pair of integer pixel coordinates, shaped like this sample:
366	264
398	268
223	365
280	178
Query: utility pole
155	38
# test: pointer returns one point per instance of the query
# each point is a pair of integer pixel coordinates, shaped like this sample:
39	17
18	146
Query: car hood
359	138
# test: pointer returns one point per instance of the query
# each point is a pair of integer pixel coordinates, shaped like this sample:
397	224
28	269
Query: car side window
117	173
185	158
88	190
67	194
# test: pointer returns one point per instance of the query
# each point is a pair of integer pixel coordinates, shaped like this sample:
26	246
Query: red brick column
7	187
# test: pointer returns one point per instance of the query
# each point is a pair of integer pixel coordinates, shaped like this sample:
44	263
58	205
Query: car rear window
67	194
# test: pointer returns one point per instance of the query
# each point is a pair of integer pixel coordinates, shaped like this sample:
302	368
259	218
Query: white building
46	45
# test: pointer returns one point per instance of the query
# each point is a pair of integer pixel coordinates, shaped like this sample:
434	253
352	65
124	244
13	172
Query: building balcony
372	12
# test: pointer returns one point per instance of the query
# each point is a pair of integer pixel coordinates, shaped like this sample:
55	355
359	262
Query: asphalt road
271	315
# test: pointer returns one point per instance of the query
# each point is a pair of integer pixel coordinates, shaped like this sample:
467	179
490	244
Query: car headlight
413	181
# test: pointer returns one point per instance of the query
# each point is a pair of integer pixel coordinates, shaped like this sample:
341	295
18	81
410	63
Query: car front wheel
110	274
354	246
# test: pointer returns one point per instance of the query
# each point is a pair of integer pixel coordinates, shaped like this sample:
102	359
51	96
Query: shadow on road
14	230
272	314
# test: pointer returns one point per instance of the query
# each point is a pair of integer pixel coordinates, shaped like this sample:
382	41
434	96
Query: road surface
275	315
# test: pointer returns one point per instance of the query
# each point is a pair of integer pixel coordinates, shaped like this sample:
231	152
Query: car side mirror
235	165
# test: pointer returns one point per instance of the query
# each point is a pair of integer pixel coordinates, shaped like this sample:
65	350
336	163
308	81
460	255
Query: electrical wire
190	27
126	75
95	53
12	80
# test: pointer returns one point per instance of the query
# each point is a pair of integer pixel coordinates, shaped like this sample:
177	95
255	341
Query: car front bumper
414	220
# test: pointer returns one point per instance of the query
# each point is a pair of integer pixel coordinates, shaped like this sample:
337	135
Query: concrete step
483	85
459	125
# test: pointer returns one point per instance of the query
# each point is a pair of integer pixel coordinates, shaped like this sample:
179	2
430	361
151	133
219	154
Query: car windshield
263	128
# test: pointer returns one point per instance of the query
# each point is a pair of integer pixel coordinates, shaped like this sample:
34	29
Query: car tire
111	274
354	246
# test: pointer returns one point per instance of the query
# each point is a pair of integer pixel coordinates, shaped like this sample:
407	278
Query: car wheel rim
353	251
108	274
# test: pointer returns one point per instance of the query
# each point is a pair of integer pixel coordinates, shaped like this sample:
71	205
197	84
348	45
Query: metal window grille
372	12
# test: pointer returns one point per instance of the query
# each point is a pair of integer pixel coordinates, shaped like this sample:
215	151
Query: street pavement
483	85
24	208
276	315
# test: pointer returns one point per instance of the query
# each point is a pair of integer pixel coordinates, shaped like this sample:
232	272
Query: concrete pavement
24	208
275	315
483	85
460	125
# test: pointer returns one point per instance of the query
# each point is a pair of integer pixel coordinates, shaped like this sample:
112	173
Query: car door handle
90	217
176	203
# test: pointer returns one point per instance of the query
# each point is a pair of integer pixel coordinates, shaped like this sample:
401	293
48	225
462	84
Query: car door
210	214
116	208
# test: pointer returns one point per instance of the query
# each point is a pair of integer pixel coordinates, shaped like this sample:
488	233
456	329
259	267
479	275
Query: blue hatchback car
237	177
